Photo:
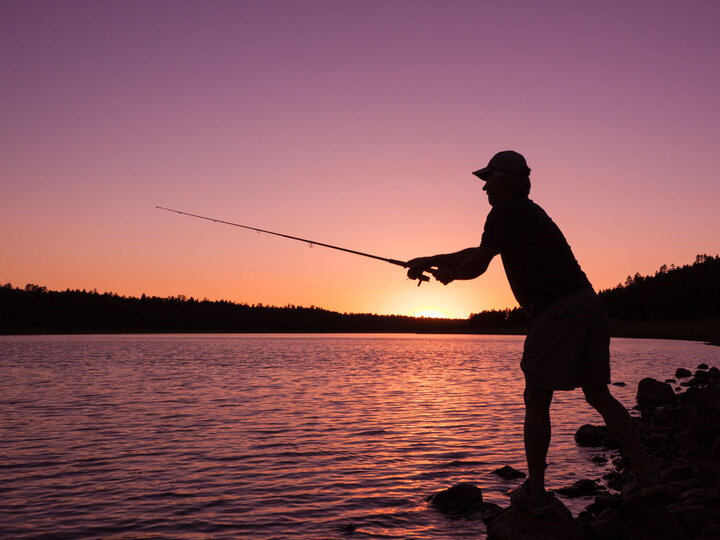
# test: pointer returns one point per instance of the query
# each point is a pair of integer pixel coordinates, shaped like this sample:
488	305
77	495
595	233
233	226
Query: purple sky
353	123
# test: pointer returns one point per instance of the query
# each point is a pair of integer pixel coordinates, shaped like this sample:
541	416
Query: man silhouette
567	344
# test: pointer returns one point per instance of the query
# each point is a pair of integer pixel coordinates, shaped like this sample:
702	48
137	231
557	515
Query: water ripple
275	436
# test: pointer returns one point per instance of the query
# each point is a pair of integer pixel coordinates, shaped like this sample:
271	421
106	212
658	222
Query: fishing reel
419	274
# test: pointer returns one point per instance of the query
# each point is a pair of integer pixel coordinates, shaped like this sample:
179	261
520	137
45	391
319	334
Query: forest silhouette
676	302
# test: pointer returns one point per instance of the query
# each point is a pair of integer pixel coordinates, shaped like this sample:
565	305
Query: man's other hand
444	274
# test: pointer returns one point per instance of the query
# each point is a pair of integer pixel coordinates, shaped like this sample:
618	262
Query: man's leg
537	437
620	424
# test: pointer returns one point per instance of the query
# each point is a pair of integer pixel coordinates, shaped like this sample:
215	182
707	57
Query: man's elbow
475	271
475	265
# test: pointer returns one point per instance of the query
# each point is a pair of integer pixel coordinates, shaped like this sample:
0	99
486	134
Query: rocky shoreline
679	424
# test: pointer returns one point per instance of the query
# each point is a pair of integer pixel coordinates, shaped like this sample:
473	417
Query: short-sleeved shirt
538	261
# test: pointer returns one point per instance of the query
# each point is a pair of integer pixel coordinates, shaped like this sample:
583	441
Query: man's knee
597	396
537	400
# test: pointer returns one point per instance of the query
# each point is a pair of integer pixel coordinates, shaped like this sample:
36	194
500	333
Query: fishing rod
420	276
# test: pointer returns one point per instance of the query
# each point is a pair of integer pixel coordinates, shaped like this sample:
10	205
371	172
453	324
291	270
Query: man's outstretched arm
448	259
472	265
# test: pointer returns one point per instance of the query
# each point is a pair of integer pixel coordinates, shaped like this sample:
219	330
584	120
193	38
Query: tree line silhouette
34	309
686	293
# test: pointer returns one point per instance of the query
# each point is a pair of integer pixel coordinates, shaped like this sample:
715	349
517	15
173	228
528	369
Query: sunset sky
356	123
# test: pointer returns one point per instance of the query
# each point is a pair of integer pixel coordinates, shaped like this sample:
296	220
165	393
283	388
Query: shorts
568	344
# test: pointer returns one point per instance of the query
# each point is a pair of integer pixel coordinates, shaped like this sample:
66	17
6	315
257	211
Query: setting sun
431	313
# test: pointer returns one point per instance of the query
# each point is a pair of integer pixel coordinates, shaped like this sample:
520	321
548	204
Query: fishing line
419	276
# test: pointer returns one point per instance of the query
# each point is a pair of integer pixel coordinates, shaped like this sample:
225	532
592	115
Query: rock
616	480
646	519
691	517
652	392
705	435
584	518
603	501
597	458
609	513
461	498
657	494
702	366
489	511
690	483
682	373
603	529
665	418
670	381
516	523
707	469
464	499
703	378
581	488
701	425
620	463
699	495
709	398
509	473
656	443
594	436
619	384
711	531
714	373
679	472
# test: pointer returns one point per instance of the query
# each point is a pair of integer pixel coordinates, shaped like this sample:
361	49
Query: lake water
275	436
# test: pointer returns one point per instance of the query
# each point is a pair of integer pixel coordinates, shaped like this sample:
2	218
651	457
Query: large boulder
691	517
714	374
682	373
458	499
707	398
678	473
517	523
653	392
647	519
464	499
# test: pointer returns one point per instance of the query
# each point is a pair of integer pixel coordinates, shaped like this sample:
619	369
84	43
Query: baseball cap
507	160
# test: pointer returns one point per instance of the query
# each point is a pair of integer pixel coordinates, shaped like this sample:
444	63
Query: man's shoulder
519	205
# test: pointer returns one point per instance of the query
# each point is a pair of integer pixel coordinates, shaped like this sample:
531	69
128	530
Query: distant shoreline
704	330
700	331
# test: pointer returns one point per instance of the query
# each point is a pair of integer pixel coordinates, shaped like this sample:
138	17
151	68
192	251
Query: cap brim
481	173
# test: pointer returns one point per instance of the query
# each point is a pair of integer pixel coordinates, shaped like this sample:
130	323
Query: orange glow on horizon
432	314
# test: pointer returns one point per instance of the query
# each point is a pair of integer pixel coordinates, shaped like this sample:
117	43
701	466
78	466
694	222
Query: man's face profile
496	187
